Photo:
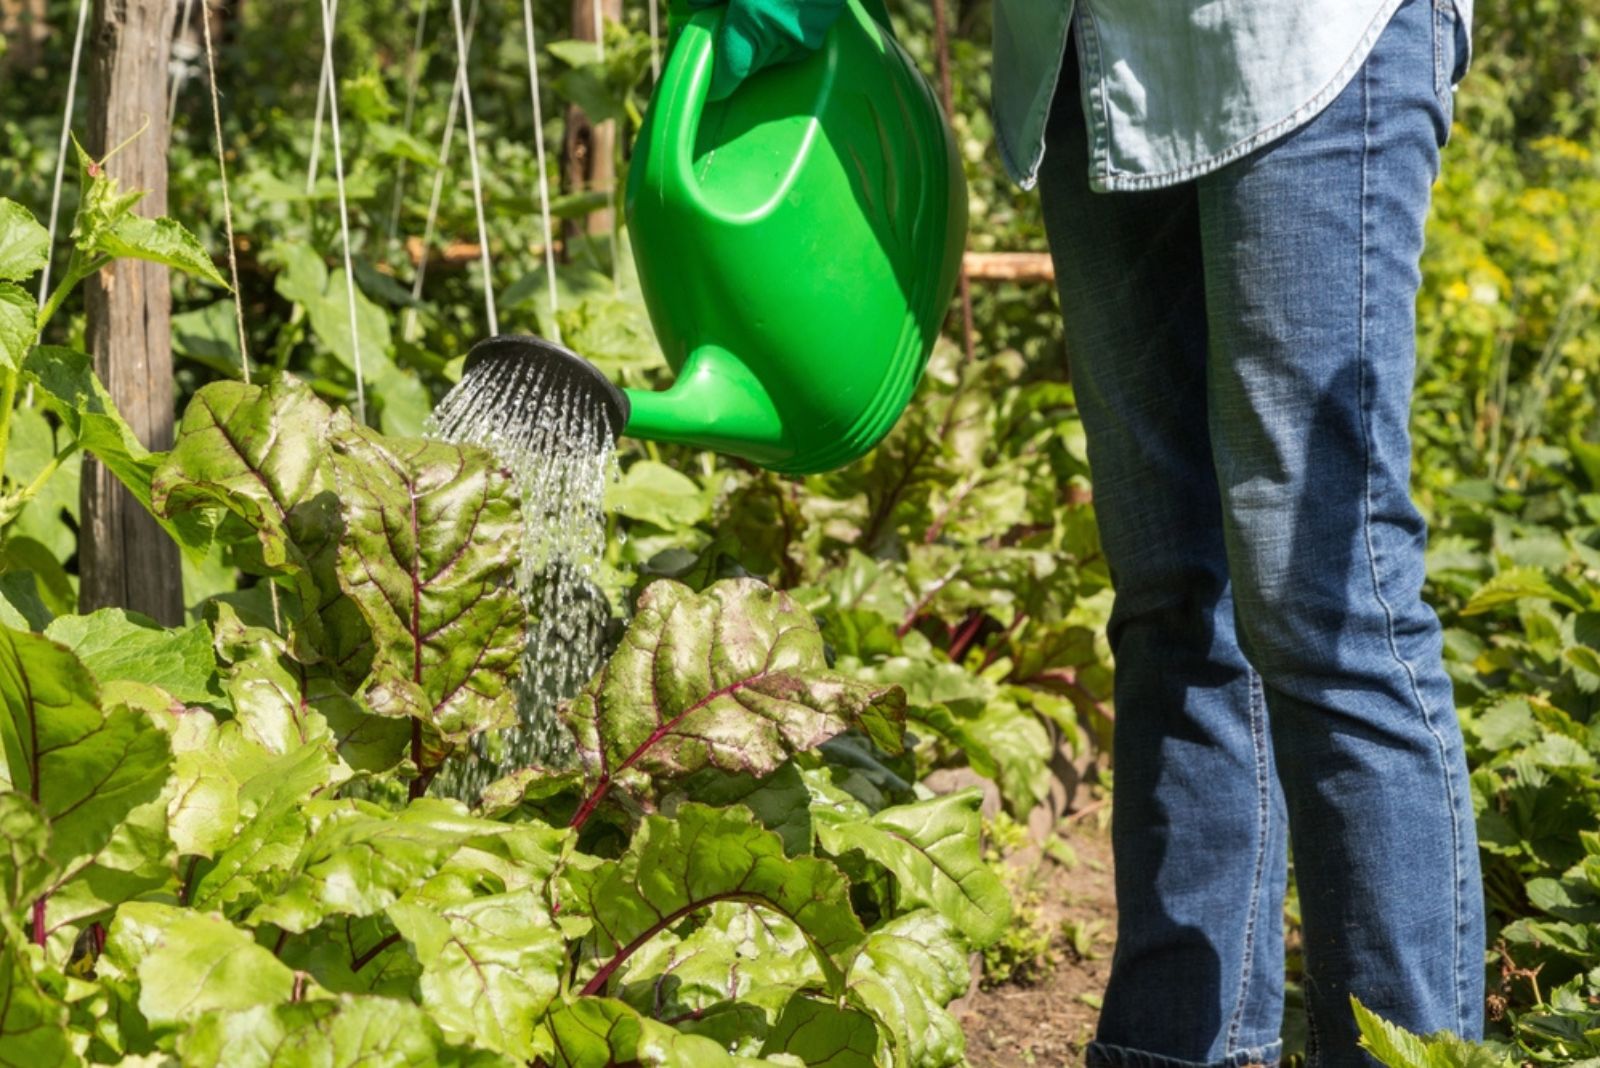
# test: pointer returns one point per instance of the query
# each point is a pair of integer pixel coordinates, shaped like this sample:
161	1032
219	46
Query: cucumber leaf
18	324
24	244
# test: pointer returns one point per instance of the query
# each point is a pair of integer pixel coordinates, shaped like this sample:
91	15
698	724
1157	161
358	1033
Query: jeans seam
1263	819
1313	1032
1372	556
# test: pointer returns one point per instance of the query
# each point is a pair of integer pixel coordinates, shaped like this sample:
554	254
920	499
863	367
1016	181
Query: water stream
553	438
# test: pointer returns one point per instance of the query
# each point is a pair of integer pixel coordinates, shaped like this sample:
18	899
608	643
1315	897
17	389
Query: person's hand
760	33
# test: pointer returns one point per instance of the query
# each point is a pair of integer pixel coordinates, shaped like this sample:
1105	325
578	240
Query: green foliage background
959	561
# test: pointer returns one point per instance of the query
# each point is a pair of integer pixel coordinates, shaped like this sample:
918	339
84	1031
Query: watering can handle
680	97
679	11
685	86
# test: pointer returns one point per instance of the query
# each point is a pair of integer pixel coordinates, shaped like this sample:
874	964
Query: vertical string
600	54
544	175
412	78
477	177
322	98
408	321
178	79
227	231
61	149
655	42
227	200
332	87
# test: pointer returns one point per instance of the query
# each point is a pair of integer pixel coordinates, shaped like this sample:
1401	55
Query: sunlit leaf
432	535
66	381
602	1031
490	967
190	963
115	644
24	244
161	241
819	1033
910	968
674	867
33	1025
734	678
321	1034
85	768
932	849
18	324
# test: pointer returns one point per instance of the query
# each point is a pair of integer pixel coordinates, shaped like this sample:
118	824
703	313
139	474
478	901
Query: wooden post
591	148
124	558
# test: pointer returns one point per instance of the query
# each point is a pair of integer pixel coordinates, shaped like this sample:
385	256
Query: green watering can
797	245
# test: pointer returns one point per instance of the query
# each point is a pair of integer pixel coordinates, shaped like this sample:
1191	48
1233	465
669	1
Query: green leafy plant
187	872
959	563
105	229
1398	1048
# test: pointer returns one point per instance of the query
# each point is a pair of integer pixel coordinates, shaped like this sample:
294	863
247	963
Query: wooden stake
941	45
590	149
124	558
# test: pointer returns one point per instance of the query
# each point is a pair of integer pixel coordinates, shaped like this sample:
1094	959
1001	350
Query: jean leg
1198	826
1311	251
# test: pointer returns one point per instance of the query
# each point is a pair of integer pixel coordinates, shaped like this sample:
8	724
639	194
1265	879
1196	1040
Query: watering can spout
716	403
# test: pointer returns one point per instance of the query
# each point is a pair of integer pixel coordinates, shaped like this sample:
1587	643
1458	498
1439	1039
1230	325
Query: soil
1048	1023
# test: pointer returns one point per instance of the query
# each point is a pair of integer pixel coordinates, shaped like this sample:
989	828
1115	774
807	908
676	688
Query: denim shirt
1172	89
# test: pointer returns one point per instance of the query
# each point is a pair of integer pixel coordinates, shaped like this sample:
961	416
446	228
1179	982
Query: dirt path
1049	1023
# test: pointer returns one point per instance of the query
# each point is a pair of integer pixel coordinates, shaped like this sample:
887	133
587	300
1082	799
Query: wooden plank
124	558
1010	267
1024	267
462	253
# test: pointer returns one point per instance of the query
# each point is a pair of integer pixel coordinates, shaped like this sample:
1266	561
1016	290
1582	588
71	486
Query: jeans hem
1104	1055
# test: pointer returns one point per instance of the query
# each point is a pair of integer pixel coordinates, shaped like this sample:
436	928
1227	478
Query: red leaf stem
964	635
603	784
366	958
598	982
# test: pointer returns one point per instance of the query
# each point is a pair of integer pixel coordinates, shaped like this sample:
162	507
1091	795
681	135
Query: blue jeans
1243	351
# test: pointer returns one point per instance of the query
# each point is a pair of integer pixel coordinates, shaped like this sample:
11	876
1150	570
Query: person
1234	193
